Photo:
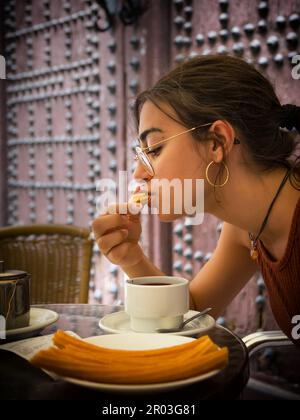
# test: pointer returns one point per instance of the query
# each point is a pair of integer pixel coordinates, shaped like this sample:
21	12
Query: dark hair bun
290	117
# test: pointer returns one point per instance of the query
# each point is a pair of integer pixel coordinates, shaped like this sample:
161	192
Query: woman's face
178	159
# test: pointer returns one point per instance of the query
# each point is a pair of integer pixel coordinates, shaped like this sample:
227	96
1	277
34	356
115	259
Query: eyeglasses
142	152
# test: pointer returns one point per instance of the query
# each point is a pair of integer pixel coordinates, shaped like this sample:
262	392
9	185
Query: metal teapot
14	297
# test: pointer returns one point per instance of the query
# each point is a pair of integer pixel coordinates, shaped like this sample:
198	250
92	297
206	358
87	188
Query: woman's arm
144	268
228	271
221	279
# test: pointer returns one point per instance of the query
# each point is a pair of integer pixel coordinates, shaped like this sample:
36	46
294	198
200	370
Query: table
20	380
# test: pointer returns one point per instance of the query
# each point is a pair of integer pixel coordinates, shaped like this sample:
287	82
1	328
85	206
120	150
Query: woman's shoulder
238	235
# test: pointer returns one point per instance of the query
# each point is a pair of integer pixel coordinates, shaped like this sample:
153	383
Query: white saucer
139	342
40	318
119	322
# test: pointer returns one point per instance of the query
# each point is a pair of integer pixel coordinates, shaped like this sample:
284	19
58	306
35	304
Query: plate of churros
132	363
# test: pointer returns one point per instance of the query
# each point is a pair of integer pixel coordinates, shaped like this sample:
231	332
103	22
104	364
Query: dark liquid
154	284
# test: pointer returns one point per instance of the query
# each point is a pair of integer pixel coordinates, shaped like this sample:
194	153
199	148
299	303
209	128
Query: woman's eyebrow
145	133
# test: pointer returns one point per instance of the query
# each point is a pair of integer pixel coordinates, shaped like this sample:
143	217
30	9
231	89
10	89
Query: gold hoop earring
217	185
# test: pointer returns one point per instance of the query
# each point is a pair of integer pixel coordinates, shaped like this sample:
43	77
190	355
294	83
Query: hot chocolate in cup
156	302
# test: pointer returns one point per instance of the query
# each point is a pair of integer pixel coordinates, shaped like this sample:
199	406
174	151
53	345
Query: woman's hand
117	236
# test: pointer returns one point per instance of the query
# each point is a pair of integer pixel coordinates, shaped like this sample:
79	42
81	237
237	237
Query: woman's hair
216	87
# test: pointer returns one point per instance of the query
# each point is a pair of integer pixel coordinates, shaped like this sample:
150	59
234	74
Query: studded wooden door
266	34
73	67
69	90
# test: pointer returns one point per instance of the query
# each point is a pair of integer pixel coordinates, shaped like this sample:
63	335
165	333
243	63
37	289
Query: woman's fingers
106	223
117	233
119	253
107	242
132	210
117	216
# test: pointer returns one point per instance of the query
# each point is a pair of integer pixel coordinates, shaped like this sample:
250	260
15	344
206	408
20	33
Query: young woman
217	118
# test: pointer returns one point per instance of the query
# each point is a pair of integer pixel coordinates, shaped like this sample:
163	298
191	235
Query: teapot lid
10	274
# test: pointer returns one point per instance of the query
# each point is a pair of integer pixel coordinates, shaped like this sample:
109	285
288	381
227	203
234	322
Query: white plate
40	318
118	322
139	342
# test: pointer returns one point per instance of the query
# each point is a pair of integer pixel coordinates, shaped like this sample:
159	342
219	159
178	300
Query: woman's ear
218	150
223	136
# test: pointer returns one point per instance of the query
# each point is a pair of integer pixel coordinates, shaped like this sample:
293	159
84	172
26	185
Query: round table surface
20	380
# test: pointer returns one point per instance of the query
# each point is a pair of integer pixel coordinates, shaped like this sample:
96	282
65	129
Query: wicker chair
58	257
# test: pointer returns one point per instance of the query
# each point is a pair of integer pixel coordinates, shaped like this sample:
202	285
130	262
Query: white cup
156	302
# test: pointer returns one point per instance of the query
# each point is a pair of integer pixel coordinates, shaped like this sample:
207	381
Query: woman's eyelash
154	152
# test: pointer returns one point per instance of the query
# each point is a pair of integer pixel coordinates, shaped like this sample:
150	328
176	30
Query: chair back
58	257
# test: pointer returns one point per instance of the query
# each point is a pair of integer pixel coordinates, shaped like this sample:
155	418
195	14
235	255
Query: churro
139	197
78	359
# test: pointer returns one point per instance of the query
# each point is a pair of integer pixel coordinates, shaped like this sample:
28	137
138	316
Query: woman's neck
245	203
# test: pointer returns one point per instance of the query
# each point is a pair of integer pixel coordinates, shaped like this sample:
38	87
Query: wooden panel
3	156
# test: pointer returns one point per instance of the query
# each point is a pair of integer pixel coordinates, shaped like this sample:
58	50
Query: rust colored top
282	278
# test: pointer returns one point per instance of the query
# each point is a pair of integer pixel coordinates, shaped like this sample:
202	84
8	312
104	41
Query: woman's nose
140	172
